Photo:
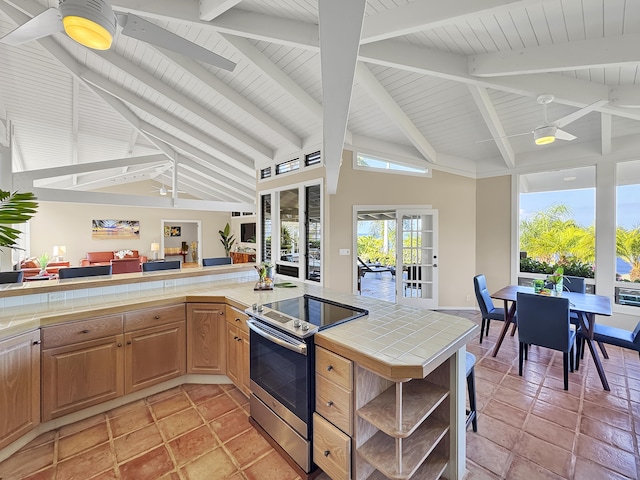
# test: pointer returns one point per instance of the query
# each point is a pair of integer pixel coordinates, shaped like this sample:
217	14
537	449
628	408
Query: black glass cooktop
317	311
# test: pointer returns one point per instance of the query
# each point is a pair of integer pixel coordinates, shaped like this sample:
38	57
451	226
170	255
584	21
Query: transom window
368	162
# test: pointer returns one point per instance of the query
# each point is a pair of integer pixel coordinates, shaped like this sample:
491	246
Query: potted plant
43	260
227	239
556	280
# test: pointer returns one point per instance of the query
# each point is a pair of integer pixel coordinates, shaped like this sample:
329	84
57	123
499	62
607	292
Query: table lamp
59	251
155	248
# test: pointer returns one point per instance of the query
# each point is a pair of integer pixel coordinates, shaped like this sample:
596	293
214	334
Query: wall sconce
155	248
59	251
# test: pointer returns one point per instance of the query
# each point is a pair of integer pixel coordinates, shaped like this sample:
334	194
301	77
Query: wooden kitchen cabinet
238	349
19	386
206	338
154	355
81	365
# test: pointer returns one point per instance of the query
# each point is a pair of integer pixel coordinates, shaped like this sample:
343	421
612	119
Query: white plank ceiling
452	85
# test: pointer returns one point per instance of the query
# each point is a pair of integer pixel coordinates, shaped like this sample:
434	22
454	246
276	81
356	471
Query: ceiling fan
164	190
93	23
548	132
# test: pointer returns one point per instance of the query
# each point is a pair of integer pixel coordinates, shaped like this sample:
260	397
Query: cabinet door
80	375
206	338
244	363
19	386
233	355
154	355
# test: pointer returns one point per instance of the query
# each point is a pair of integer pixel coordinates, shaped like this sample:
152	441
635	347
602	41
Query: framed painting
167	231
175	231
115	229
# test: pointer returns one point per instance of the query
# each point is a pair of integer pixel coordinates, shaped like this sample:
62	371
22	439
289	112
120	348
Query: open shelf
431	469
419	399
380	450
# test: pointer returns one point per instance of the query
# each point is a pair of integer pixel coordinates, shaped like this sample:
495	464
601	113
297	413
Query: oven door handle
278	337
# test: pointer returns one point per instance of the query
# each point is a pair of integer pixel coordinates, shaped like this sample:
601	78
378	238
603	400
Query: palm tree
628	249
15	208
551	236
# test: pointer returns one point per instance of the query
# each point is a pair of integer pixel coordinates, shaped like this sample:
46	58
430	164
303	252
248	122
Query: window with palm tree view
557	222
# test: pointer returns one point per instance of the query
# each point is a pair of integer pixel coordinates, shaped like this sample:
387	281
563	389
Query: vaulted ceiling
452	85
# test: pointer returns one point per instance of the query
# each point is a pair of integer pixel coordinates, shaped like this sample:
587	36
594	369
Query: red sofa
104	258
31	267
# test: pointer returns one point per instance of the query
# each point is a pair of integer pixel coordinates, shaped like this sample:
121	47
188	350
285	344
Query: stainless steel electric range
282	364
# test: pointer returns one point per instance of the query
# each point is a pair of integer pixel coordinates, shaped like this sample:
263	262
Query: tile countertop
394	341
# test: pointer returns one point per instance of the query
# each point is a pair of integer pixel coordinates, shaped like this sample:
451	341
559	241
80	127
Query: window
628	224
557	221
291	225
313	232
368	162
288	166
265	172
312	159
265	215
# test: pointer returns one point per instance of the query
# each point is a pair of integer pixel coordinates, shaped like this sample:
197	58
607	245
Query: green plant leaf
15	208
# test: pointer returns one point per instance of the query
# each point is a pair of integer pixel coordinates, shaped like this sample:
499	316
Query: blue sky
582	204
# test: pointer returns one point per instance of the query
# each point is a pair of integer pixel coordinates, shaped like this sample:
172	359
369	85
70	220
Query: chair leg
513	329
472	416
571	357
579	347
565	369
520	355
486	334
482	327
603	350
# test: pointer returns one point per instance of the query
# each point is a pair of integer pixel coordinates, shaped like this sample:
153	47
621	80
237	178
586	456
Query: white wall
69	224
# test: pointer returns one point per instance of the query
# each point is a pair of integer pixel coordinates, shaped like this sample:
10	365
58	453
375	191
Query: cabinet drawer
334	403
237	318
334	367
150	317
331	449
82	331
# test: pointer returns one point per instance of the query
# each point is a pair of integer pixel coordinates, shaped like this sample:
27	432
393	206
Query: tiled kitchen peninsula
393	345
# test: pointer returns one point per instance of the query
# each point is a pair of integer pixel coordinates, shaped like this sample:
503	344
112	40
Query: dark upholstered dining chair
11	277
544	321
156	266
488	310
614	336
210	262
77	272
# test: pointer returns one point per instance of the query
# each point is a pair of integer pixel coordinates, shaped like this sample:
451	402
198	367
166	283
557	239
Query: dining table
586	305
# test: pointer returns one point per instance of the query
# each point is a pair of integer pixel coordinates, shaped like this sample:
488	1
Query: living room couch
104	258
31	267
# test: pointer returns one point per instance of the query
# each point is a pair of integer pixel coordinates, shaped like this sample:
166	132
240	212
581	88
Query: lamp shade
155	247
59	250
91	23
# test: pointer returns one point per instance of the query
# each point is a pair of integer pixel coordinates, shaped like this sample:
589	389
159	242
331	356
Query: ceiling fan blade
562	135
141	29
47	23
572	117
505	136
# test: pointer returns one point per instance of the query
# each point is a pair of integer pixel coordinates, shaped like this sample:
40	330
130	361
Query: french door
417	258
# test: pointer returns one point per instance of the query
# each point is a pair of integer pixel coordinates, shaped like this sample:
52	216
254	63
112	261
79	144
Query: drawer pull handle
220	312
157	317
119	345
235	338
329	368
326	453
129	342
330	403
85	331
37	342
237	319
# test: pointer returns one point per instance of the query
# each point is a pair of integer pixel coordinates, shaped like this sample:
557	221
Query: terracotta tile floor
528	428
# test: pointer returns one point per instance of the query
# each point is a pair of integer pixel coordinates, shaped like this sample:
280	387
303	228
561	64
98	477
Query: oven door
280	372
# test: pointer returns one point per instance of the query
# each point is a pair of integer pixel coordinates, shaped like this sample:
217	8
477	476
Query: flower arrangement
264	270
123	253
